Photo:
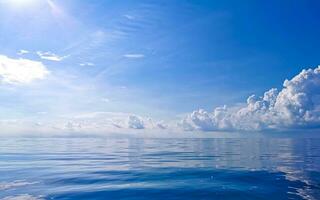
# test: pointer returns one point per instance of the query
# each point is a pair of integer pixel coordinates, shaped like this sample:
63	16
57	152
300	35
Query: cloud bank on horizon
88	123
296	105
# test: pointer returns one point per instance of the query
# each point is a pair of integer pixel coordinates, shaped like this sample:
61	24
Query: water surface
103	168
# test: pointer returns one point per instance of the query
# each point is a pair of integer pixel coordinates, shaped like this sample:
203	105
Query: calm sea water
96	168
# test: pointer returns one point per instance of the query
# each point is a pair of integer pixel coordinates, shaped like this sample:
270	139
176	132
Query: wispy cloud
134	55
50	56
21	71
23	197
130	17
22	51
15	184
86	64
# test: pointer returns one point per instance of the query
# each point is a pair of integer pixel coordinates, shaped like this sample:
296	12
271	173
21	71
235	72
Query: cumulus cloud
98	122
133	56
296	105
135	122
50	56
20	71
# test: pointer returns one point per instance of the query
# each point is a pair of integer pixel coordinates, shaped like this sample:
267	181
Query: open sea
152	169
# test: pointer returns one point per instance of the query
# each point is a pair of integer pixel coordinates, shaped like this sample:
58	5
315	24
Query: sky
100	66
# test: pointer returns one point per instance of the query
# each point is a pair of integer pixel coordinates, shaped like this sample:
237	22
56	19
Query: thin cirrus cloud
15	184
22	52
86	64
50	56
23	197
296	105
130	17
134	55
21	71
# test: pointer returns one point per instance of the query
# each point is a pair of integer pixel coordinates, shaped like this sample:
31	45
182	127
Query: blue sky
160	59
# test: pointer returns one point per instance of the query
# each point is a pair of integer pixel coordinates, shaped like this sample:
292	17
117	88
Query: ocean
152	169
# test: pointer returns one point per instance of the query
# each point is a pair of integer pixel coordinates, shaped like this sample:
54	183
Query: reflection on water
99	168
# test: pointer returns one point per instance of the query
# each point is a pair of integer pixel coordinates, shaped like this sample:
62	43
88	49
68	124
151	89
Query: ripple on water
159	169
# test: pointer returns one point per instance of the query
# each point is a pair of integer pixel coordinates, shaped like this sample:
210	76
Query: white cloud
50	56
96	122
22	51
134	56
297	105
23	197
151	124
135	122
15	184
21	71
86	64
